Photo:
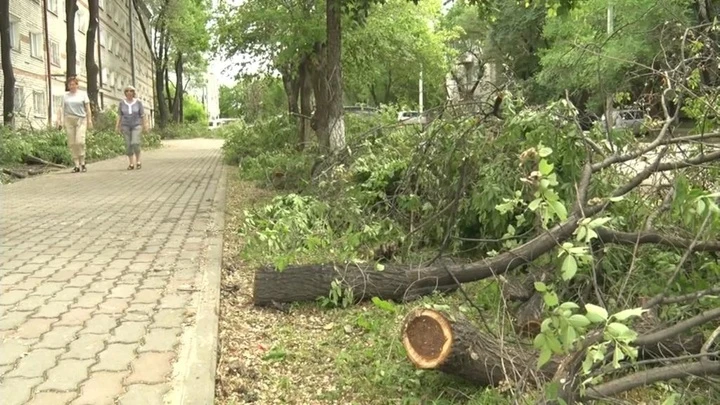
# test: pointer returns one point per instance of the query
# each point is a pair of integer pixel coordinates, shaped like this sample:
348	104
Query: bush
51	145
271	135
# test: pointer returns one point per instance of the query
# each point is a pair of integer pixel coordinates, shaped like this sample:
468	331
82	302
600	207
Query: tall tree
7	69
333	69
71	8
158	45
91	65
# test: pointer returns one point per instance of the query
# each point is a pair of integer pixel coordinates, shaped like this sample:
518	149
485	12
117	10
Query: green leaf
534	204
570	336
578	321
559	209
618	356
618	330
599	222
384	305
569	305
700	206
545	152
379	266
545	168
551	299
540	286
569	267
628	313
539	341
595	313
545	355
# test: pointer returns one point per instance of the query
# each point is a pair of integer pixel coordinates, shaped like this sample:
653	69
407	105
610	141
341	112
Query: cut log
18	175
433	340
529	316
36	160
308	282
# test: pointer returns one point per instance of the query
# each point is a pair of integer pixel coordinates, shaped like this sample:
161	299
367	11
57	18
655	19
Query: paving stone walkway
108	281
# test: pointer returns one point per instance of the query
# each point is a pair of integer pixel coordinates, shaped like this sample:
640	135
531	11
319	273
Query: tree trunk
7	69
160	92
291	85
70	46
434	340
306	90
177	104
336	123
320	90
90	64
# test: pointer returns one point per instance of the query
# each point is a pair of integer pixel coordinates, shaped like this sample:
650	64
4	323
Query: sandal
76	169
83	168
139	165
131	167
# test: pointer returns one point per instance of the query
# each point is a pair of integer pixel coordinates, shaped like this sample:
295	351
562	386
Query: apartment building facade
121	53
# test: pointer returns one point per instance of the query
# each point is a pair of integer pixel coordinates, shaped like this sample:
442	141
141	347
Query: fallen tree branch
625	238
650	376
36	160
680	327
690	297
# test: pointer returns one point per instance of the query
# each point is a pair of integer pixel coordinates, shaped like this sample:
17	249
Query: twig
625	238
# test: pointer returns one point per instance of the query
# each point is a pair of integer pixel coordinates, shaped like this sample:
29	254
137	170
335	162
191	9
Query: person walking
76	117
131	122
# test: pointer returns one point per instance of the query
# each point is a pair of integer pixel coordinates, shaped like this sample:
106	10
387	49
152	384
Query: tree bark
336	123
306	95
177	104
307	283
7	69
90	64
320	90
70	45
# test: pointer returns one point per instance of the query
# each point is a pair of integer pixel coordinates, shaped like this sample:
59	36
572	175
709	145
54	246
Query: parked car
629	119
217	123
411	118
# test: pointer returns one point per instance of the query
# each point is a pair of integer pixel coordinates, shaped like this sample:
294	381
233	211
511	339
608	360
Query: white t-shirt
74	104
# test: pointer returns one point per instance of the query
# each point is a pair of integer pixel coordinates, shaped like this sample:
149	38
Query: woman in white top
76	117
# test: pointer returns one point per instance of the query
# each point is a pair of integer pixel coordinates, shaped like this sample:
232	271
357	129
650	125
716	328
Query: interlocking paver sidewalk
108	281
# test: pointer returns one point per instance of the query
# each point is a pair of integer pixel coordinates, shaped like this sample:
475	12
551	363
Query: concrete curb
196	385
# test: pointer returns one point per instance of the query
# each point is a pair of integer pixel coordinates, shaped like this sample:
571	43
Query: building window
102	38
81	21
14	33
39	106
101	4
36	45
52	6
55	53
104	76
19	99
